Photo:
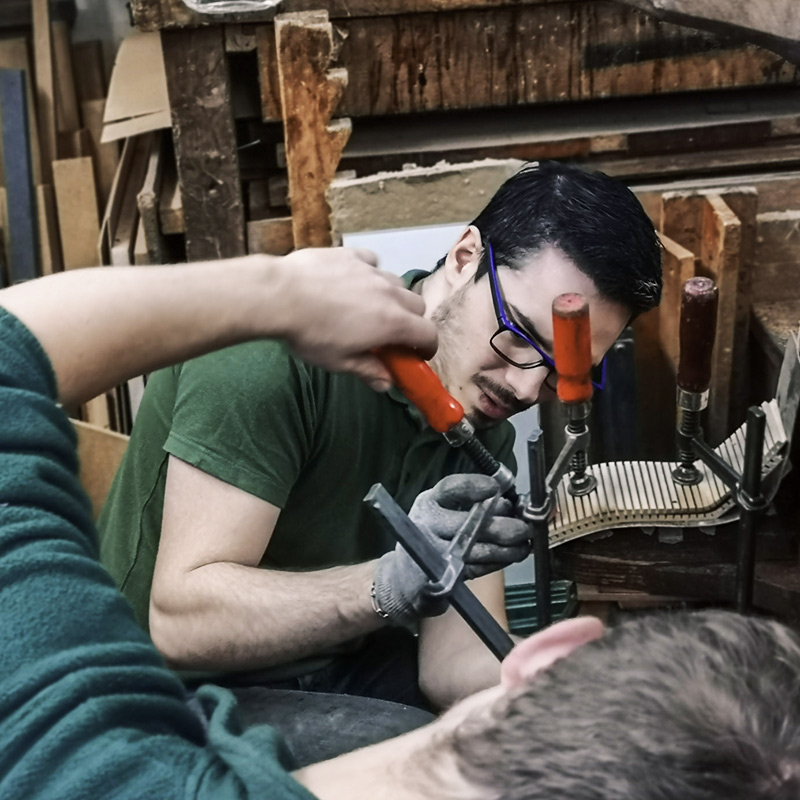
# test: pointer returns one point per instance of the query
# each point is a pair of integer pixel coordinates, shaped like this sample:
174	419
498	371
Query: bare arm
101	326
211	607
453	661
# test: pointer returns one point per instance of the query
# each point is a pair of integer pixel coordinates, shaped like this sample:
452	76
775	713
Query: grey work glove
401	587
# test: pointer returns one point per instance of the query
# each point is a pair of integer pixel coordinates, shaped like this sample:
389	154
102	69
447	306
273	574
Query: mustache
503	394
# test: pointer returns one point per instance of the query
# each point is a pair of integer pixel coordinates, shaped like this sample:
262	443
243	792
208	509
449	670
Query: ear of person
540	651
464	256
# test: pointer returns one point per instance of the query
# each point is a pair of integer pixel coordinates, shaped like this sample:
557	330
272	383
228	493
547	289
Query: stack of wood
68	200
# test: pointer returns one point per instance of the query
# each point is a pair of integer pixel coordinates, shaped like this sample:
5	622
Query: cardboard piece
137	94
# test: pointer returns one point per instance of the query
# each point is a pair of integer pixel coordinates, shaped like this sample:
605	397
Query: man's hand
340	307
401	586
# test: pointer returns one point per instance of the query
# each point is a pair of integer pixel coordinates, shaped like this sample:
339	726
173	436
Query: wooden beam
523	54
205	143
21	232
310	92
45	90
49	241
67	110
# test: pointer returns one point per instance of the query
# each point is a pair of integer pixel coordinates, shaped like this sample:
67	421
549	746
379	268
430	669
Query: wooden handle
572	348
699	300
420	384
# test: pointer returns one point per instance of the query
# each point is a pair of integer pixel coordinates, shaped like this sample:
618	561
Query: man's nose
526	383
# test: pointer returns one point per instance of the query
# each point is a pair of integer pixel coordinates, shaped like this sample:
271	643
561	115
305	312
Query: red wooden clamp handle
572	348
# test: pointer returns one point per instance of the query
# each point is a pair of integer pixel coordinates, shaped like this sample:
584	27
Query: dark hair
687	706
593	219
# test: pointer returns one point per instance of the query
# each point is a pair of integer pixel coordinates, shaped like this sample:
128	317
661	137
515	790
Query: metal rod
433	564
719	467
752	504
541	566
540	533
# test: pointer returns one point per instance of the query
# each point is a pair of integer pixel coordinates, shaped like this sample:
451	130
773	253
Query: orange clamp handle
572	348
421	385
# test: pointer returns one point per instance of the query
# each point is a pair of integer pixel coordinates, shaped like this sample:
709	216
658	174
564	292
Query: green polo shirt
307	440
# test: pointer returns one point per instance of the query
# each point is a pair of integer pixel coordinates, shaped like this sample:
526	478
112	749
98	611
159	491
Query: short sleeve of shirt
246	415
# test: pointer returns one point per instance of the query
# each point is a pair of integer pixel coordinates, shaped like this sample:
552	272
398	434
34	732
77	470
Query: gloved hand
401	586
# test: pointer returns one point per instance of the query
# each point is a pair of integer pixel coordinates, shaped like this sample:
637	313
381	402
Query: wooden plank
76	199
148	199
720	260
681	219
141	257
170	205
49	241
416	197
205	143
310	92
100	452
45	89
21	231
112	209
15	54
777	191
120	221
273	236
524	54
743	201
89	70
97	412
67	111
678	266
104	155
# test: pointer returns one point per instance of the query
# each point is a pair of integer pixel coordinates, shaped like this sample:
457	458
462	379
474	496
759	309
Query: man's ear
461	262
540	651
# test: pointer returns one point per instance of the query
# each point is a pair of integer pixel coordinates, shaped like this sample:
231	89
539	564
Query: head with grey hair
685	706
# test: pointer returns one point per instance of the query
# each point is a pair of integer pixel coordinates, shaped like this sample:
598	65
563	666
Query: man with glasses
235	525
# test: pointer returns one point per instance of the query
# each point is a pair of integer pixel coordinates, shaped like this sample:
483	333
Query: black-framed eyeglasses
517	347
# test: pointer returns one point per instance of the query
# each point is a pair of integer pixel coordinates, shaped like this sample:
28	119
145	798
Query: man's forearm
454	663
226	616
100	326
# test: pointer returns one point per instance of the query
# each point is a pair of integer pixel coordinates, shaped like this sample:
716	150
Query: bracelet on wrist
375	605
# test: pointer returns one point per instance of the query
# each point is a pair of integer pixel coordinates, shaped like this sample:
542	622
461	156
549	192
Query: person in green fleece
88	708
